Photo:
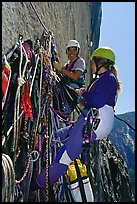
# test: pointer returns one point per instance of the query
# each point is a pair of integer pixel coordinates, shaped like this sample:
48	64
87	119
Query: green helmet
104	52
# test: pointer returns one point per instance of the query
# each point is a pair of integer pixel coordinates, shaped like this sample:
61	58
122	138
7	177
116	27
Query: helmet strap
99	67
77	49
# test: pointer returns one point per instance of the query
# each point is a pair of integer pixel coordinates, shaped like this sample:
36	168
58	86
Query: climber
73	71
101	95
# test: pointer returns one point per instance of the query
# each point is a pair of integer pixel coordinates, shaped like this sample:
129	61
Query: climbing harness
91	123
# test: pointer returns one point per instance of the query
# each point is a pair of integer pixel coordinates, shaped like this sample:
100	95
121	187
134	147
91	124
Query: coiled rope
8	179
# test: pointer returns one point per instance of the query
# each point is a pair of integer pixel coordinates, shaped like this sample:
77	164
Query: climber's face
93	65
72	53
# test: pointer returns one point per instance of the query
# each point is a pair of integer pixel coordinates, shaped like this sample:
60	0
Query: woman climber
101	94
73	71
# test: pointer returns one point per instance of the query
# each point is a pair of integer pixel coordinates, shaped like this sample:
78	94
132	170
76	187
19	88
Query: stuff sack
72	177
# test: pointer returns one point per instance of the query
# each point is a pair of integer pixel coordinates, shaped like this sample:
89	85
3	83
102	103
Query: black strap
81	185
77	107
66	192
69	197
86	155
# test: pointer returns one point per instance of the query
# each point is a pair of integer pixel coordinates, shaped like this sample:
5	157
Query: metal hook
36	155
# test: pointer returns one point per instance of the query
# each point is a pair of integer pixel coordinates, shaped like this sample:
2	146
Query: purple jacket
102	92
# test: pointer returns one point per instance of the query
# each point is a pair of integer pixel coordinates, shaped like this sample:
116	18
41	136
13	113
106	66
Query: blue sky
118	32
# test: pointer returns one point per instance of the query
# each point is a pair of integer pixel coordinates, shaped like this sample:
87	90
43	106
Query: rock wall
110	177
66	20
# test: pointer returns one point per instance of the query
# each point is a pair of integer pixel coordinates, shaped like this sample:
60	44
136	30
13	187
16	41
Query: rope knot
21	81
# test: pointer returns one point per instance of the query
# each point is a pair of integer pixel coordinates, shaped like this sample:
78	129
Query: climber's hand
80	91
57	65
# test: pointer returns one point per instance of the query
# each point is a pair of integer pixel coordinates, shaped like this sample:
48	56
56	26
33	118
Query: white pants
106	115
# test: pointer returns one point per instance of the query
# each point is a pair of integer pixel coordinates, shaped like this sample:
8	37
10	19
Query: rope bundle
8	179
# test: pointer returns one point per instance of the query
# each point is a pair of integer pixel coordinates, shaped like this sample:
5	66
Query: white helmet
73	43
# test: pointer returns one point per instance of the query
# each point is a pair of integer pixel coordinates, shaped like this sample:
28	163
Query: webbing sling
81	185
68	193
77	107
86	152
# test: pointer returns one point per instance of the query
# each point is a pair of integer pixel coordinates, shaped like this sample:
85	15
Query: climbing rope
124	122
48	132
8	179
21	81
38	17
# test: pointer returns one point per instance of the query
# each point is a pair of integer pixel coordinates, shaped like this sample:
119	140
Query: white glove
57	66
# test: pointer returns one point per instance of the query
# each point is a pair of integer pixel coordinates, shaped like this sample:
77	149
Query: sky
118	32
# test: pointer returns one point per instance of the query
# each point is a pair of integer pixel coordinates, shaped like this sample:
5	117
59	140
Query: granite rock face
110	177
66	20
